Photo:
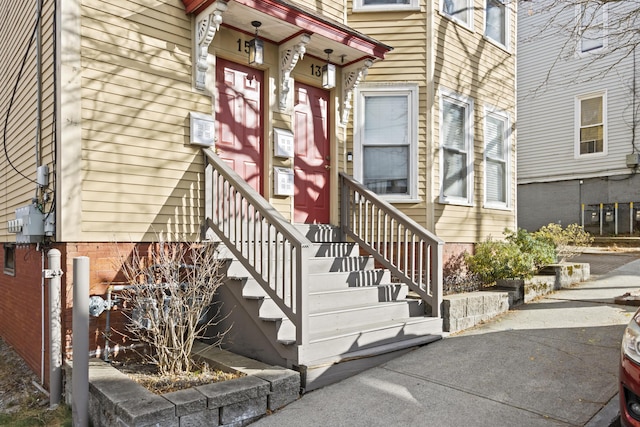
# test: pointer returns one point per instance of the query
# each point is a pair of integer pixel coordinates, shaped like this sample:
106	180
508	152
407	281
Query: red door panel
311	200
239	119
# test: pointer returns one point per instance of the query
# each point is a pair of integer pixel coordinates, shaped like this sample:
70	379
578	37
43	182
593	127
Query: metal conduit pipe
107	328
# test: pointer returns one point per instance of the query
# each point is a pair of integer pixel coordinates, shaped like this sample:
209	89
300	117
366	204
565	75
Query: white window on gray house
456	154
591	26
459	10
590	123
378	5
385	151
496	159
496	22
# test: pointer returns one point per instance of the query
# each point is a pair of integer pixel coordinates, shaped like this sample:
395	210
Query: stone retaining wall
465	310
116	400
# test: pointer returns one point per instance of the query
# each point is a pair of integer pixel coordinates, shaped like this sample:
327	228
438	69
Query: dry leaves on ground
147	375
17	388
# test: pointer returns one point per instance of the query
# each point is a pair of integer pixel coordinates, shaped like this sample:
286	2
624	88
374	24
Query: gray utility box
28	225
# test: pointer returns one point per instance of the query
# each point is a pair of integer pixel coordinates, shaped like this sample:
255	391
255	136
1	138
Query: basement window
9	259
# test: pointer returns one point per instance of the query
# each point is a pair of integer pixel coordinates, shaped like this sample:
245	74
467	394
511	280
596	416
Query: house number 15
245	45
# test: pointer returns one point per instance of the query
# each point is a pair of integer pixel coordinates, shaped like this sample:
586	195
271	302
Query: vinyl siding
549	82
140	178
466	63
330	8
470	65
406	33
19	136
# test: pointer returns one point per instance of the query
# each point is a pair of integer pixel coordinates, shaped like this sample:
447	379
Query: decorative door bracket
290	54
207	24
352	76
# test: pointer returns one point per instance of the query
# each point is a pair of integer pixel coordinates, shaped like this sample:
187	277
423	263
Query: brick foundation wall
21	297
21	306
105	268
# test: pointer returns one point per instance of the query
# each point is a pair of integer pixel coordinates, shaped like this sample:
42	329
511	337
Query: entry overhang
283	20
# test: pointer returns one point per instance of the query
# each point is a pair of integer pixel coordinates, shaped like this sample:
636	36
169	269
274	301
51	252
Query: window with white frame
591	116
496	159
456	154
459	10
497	22
381	5
591	26
385	154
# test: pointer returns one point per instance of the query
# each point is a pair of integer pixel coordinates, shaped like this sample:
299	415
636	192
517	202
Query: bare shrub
169	300
457	278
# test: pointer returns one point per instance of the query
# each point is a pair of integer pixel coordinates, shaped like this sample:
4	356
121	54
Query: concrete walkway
553	362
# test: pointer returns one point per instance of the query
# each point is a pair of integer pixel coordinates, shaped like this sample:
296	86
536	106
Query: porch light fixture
328	72
256	47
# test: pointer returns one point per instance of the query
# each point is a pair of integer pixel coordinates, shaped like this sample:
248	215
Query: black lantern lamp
256	47
328	72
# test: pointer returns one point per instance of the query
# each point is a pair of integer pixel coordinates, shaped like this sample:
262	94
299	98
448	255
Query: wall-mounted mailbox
202	129
283	181
283	143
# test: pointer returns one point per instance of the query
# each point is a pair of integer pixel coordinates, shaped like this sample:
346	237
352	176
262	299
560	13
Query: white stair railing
267	245
408	250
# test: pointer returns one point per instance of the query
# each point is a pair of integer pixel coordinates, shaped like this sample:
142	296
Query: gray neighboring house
578	149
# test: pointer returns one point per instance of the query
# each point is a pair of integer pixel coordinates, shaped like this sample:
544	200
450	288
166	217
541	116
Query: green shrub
542	252
519	256
568	242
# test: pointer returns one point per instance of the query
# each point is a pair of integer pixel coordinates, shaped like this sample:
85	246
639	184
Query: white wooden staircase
358	317
324	300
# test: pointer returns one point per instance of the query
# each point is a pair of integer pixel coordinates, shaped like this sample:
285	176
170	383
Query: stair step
340	264
320	232
325	347
335	249
338	280
363	315
334	299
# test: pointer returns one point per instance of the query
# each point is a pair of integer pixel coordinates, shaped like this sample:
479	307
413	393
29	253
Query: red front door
311	163
239	119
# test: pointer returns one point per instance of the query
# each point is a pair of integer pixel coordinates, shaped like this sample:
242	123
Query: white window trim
507	39
410	90
600	50
502	115
469	25
359	6
577	121
468	102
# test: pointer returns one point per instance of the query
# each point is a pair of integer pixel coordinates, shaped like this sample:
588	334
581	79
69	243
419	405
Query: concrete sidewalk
553	362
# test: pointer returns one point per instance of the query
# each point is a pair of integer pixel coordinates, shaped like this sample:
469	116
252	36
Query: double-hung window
591	118
385	154
382	5
496	159
456	153
458	10
591	18
497	22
